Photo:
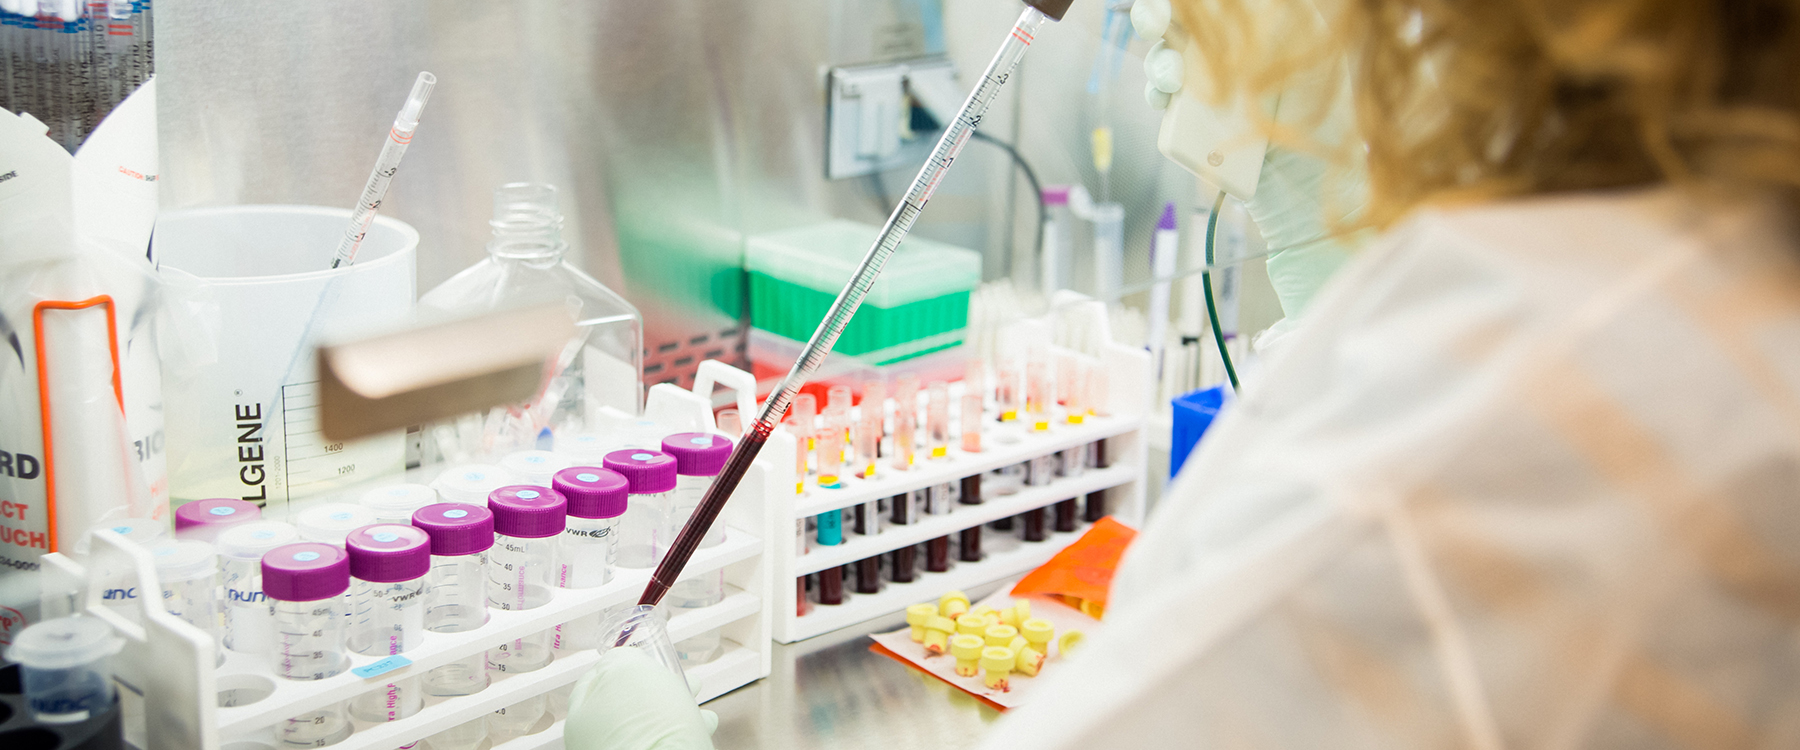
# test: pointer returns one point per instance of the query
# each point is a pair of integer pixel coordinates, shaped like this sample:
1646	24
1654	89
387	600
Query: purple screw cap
305	572
591	492
456	528
217	512
528	512
1056	195
649	472
698	454
388	553
1168	217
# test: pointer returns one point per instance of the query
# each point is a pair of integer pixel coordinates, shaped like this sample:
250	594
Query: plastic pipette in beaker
399	137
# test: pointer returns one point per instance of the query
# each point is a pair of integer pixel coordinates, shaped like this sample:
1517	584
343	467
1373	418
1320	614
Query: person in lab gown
1527	472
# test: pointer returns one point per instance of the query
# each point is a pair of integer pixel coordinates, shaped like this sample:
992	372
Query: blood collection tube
831	528
906	420
329	523
1008	389
903	564
456	590
249	625
874	408
868	575
904	508
969	545
1095	508
937	551
596	499
868	518
937	418
203	520
831	585
390	564
527	522
644	530
1066	513
188	570
1040	471
306	582
1037	396
829	457
1034	525
396	503
699	457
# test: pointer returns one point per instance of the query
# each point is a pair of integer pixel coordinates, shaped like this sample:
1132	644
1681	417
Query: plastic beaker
250	289
66	670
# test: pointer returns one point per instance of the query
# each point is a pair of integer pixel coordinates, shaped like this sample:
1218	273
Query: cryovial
121	592
329	523
249	624
396	503
534	467
66	665
644	530
456	591
390	563
470	483
699	457
527	522
306	582
969	546
596	499
188	571
937	418
831	585
937	551
202	520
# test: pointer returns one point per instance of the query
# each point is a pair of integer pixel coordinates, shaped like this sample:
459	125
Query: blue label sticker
121	529
456	514
529	494
340	516
262	534
384	536
222	511
397	491
306	556
474	476
381	667
586	477
534	459
641	456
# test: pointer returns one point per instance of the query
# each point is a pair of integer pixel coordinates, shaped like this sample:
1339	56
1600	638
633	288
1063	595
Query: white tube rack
1122	478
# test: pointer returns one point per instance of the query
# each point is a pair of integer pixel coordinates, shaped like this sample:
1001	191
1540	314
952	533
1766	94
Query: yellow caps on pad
952	596
996	664
967	650
916	617
1000	635
971	624
1038	631
1069	642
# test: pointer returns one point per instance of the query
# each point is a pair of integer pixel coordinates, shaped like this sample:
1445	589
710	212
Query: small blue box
1194	413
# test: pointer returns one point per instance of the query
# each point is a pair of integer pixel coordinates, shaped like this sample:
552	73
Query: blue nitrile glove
1295	191
630	702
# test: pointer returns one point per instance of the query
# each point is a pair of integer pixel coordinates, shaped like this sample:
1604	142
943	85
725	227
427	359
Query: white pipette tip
415	103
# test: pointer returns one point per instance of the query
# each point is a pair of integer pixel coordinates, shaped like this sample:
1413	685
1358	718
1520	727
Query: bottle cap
698	454
470	483
331	522
204	519
919	614
971	624
649	472
1000	635
248	542
997	659
456	528
967	647
395	503
1037	630
388	553
534	467
64	643
528	512
184	560
592	492
305	572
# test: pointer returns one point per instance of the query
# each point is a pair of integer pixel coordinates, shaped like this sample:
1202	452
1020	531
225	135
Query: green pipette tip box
919	304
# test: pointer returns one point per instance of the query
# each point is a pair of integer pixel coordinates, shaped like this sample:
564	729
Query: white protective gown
1529	477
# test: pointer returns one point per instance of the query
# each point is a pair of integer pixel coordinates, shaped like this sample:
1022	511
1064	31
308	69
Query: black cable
1212	311
1037	192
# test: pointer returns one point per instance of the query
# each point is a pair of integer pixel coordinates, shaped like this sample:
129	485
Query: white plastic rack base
1122	480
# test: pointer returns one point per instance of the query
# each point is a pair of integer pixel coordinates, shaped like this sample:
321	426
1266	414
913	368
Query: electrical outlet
869	115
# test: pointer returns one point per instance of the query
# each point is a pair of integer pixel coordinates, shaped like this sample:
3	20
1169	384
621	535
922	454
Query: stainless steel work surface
833	692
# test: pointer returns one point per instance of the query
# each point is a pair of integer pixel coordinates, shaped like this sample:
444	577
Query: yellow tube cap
1069	642
998	659
967	647
1037	630
971	625
919	614
981	609
953	596
941	624
1001	635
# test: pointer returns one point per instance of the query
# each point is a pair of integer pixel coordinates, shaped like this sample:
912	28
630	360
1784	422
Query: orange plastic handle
43	378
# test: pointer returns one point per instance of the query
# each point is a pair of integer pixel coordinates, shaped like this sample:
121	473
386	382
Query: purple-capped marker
592	492
456	528
305	572
649	472
388	553
202	520
528	512
698	454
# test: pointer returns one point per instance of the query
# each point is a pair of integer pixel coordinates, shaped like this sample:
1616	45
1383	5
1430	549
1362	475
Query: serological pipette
399	137
956	133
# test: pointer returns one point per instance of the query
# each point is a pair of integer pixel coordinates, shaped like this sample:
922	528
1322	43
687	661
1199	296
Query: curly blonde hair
1495	98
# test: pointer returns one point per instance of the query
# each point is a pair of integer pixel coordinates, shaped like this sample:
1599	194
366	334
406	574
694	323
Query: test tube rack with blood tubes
932	516
200	704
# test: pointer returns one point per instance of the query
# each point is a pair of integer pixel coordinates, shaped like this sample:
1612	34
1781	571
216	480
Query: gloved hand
630	702
1298	197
